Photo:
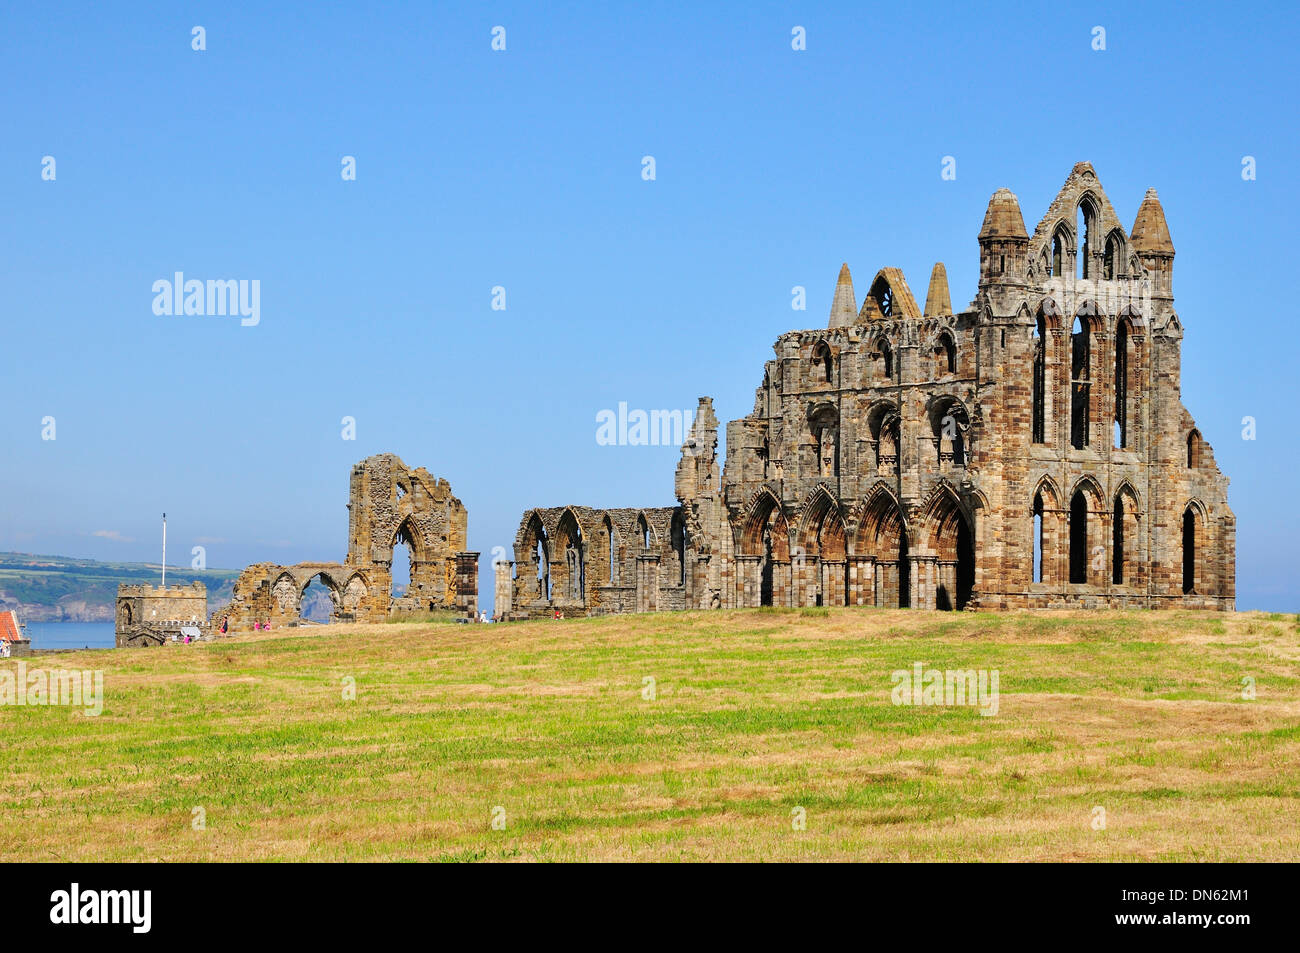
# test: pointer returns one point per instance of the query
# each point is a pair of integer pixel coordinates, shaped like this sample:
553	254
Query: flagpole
164	581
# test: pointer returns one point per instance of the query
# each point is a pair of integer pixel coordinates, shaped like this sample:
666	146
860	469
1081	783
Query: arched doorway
766	536
882	538
950	553
319	600
403	562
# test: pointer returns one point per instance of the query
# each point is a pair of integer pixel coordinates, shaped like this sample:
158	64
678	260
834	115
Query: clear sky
522	169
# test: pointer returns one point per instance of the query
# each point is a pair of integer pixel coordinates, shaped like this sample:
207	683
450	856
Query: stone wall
389	504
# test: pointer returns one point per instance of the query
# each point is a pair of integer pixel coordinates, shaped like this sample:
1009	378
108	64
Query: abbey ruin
389	505
1031	451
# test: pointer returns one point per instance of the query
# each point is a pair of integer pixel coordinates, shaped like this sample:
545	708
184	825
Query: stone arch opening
1062	251
882	535
1085	228
677	535
824	551
1086	504
824	424
537	550
950	426
884	295
572	572
1046	511
1191	549
1081	376
823	363
318	603
1124	537
402	568
1115	256
1122	359
951	542
883	423
945	355
766	534
611	549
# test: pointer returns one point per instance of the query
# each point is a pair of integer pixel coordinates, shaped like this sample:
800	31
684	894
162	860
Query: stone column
862	581
834	579
805	581
924	581
503	589
887	584
781	583
647	582
749	582
466	596
948	580
697	595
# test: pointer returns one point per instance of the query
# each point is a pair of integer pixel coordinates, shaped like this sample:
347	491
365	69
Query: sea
70	635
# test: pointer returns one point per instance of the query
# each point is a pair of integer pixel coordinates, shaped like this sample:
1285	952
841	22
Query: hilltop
725	735
63	589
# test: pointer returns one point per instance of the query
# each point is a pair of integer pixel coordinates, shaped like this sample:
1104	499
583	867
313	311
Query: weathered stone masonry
388	504
1030	451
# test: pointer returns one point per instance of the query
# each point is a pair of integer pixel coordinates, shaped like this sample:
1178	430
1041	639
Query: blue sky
522	169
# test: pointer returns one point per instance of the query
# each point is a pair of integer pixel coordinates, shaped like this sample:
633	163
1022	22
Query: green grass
755	716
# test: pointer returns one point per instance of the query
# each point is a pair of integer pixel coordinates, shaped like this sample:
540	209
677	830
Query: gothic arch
354	592
884	424
1125	515
1195	526
765	521
948	535
1047	485
1046	518
882	535
570	572
821	529
950	429
823	364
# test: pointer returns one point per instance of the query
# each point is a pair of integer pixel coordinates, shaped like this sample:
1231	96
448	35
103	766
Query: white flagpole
164	581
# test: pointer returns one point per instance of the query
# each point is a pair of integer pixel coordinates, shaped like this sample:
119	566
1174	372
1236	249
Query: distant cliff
61	589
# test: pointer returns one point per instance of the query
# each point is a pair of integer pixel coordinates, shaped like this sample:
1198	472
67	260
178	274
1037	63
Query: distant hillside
61	589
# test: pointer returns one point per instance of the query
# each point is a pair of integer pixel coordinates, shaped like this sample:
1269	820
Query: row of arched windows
1060	257
881	366
1086	562
1083	400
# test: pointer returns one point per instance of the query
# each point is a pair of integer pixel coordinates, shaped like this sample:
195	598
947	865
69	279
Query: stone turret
1004	243
1151	241
937	301
844	308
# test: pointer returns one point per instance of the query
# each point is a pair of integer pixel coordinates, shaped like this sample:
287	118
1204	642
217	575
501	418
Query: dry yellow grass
757	716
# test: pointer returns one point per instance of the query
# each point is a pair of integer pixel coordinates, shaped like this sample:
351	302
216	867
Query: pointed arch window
1039	418
823	364
1038	537
1121	385
1079	537
1086	221
1080	383
1189	550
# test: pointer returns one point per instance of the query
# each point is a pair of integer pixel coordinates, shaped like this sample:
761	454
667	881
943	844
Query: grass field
755	715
